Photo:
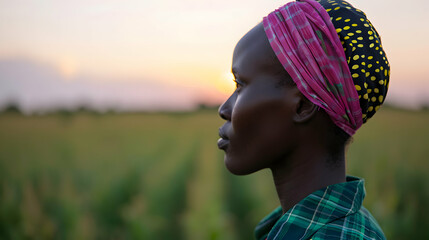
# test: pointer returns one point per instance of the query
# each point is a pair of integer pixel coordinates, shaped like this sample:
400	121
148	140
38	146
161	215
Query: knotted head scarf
334	55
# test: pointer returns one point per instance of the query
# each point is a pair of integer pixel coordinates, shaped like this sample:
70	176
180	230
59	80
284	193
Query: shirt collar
313	212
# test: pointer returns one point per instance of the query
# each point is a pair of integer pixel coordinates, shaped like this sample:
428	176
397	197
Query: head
311	93
267	117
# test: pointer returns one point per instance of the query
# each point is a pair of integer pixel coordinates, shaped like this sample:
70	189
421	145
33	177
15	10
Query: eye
238	84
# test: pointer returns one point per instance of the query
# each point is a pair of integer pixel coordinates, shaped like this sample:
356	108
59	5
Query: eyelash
238	83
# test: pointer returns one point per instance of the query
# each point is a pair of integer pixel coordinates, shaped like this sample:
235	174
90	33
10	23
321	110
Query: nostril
224	112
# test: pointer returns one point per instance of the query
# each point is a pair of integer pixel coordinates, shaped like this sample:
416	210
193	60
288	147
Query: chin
237	168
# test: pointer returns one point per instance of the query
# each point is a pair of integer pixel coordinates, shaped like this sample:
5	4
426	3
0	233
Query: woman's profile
308	76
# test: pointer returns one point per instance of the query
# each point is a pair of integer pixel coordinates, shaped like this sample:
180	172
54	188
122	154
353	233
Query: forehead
253	53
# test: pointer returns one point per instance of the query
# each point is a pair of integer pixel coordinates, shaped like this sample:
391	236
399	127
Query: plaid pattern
334	212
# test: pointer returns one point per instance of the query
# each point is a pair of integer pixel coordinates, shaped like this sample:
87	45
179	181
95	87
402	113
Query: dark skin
269	125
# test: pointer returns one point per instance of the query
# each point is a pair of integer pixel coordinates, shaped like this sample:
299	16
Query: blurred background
108	122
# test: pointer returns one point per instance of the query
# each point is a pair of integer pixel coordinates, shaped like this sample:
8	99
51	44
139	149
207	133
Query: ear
305	110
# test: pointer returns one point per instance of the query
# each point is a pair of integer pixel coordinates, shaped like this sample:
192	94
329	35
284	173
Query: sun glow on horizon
225	84
67	67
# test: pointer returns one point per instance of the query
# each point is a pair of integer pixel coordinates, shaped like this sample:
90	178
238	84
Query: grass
145	176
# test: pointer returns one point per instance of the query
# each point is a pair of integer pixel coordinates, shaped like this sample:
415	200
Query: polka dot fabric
366	58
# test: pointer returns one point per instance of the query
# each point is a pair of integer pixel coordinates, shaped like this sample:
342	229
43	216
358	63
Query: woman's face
259	129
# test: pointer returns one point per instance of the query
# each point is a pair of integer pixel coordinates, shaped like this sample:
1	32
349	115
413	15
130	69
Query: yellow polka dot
358	87
367	74
370	32
363	20
360	96
353	49
380	98
362	56
338	18
339	30
374	99
370	57
327	10
348	7
360	38
385	72
350	34
365	85
376	108
354	41
358	31
376	48
336	8
355	75
381	82
376	90
381	68
363	116
377	70
355	57
362	70
371	45
360	45
370	65
365	96
347	20
369	90
381	52
346	27
373	78
355	66
366	25
354	25
346	37
371	37
370	109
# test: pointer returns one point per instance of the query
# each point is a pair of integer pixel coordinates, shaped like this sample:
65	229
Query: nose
225	110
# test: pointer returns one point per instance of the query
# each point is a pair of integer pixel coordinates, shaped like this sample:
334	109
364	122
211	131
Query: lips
223	142
222	134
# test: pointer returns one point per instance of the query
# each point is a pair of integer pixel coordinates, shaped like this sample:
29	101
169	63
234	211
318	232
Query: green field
160	176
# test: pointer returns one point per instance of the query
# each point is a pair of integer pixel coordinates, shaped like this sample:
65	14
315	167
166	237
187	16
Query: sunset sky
165	53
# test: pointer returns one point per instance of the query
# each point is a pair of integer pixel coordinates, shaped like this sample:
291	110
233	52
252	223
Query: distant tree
425	107
205	106
11	108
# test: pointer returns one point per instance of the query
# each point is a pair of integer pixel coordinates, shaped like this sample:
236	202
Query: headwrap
328	68
366	58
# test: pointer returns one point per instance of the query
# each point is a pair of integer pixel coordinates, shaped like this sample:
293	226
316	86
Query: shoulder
360	225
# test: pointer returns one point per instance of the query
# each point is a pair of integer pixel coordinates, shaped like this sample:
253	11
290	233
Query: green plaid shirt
335	212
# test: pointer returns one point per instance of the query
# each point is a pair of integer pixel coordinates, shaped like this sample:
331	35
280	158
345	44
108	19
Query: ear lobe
305	110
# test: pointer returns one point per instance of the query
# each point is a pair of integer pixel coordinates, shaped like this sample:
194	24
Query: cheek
260	117
260	132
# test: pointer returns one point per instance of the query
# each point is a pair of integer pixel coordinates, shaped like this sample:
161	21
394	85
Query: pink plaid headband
307	45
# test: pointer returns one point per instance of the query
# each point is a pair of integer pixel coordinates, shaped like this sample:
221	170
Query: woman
307	78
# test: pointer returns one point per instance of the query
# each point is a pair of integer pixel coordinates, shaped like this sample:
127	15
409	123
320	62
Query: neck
305	172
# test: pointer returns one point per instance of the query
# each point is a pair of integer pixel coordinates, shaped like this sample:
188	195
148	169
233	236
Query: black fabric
366	58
